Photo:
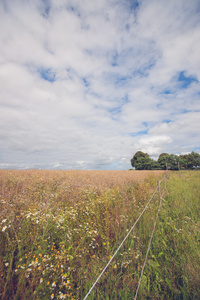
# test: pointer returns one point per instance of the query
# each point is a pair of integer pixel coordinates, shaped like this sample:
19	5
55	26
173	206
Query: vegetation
173	269
142	161
59	229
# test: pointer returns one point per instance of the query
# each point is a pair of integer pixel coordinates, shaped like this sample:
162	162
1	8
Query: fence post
159	193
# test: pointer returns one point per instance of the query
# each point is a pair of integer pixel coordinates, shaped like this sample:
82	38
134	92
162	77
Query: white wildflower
4	228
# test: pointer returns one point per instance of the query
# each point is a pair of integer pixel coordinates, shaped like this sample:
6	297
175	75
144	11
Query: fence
158	188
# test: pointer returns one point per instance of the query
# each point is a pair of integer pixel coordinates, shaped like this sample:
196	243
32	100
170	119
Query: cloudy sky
86	84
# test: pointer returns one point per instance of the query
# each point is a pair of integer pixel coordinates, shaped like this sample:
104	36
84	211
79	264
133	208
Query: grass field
58	230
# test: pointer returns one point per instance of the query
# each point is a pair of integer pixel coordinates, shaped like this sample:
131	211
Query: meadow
58	230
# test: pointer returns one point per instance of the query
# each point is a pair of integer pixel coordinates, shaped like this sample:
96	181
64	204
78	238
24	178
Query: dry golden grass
57	228
82	178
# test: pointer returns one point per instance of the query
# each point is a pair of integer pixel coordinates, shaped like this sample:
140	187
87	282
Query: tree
141	161
183	159
189	161
173	162
168	160
193	160
163	160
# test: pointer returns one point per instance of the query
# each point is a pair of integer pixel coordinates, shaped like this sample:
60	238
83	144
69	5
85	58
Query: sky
86	84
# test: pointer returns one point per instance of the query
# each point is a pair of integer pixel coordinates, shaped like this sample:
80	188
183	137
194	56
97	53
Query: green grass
173	269
55	241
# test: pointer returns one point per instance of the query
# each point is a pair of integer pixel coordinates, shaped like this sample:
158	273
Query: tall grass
57	234
173	269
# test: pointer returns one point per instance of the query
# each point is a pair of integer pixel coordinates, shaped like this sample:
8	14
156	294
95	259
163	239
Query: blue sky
86	84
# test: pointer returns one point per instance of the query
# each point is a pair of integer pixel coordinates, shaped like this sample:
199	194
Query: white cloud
154	144
87	84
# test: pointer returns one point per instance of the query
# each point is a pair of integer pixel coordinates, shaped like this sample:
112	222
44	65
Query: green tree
173	162
193	160
141	161
163	160
183	159
169	161
189	161
155	165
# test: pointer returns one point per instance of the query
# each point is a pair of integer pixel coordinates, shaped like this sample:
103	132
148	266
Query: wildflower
41	280
52	296
6	264
4	228
53	284
3	221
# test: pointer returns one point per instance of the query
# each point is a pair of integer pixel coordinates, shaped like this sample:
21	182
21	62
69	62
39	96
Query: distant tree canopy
142	161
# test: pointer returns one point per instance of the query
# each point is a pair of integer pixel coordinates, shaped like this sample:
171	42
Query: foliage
188	161
173	268
59	229
163	160
142	161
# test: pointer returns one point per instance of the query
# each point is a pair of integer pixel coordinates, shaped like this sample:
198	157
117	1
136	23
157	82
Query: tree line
142	161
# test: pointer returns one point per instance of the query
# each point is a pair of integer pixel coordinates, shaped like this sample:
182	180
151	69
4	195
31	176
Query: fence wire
154	227
121	246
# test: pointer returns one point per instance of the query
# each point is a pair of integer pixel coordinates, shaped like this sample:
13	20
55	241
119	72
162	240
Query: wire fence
158	188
